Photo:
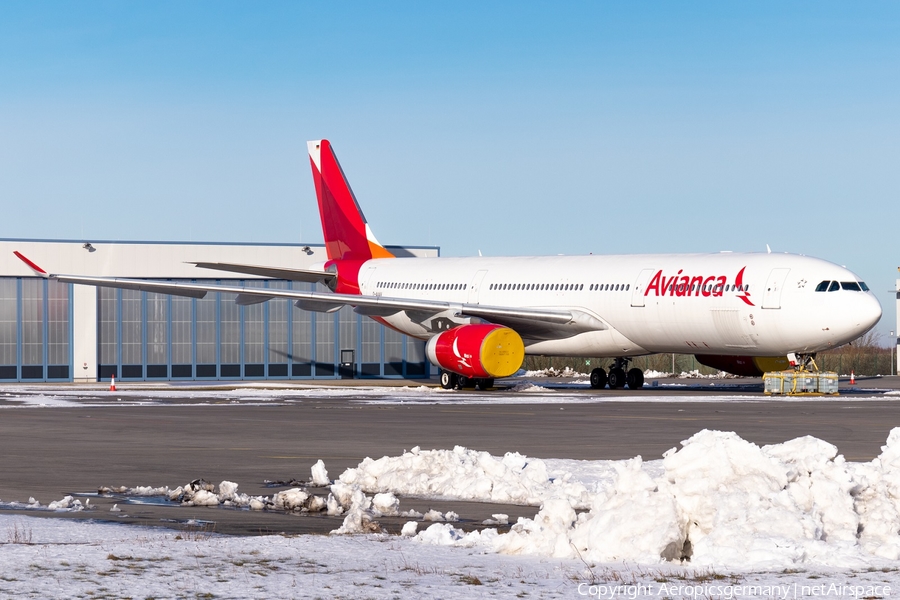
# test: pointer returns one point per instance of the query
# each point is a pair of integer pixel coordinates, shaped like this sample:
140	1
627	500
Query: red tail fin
347	235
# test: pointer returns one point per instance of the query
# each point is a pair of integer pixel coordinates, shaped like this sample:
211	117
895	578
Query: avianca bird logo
463	360
680	285
743	294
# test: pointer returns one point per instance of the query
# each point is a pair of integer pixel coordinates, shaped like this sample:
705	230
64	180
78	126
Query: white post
84	333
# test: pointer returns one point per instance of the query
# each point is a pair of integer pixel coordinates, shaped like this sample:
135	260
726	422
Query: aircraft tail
347	235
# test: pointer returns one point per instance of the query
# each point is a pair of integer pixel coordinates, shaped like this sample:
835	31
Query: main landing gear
452	381
617	377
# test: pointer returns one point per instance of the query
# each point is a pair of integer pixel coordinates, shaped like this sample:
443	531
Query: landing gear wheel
448	380
598	379
634	379
616	378
484	384
463	382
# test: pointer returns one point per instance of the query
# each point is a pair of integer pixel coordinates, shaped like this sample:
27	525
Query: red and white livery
741	312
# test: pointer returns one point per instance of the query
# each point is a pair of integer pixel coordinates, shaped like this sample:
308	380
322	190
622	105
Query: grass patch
19	534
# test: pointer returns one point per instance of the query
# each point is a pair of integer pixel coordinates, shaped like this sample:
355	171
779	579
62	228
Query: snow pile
551	372
203	493
357	506
463	474
693	374
320	474
66	504
524	386
696	374
386	504
720	501
653	374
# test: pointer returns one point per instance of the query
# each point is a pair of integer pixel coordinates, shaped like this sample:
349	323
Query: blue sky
506	127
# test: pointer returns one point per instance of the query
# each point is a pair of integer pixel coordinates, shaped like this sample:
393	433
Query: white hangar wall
61	332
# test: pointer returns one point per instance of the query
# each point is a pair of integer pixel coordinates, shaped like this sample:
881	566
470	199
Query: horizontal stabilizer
273	272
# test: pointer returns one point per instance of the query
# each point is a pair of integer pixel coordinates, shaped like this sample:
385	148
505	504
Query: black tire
462	382
635	379
616	378
448	380
484	384
598	379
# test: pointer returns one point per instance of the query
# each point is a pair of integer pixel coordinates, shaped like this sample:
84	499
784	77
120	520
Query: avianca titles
740	312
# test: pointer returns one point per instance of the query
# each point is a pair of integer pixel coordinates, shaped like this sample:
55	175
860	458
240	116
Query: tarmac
49	452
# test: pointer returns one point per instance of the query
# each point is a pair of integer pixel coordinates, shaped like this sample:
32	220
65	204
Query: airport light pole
893	343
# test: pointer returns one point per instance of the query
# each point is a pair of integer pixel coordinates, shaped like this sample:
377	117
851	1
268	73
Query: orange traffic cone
852	378
112	383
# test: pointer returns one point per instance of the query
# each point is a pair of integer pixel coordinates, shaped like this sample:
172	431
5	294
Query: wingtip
31	264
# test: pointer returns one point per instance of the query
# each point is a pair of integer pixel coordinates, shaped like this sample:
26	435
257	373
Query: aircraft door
774	287
640	287
475	286
364	279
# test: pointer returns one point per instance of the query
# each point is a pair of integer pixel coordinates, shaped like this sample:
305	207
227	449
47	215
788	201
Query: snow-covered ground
717	517
49	558
536	390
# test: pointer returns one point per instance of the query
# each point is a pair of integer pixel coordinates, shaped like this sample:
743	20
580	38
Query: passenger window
850	285
835	286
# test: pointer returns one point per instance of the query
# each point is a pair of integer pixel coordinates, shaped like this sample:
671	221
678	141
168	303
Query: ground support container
801	383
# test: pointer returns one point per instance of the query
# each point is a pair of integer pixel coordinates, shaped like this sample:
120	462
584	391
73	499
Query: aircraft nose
866	313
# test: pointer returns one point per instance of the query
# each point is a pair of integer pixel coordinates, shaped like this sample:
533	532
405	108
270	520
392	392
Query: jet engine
477	351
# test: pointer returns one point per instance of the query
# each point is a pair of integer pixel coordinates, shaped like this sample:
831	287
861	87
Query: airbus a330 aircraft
743	313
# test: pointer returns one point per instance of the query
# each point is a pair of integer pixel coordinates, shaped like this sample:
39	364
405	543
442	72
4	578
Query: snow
75	559
719	501
319	474
712	517
719	510
692	374
574	390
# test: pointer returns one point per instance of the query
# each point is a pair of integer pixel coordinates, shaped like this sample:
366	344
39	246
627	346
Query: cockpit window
833	286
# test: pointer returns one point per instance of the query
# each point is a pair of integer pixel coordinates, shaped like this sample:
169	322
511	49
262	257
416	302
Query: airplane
744	313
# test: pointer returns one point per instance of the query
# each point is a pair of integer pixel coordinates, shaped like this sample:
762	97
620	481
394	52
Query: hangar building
52	331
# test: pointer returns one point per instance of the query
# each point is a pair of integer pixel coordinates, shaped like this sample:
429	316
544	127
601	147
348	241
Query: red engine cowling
479	351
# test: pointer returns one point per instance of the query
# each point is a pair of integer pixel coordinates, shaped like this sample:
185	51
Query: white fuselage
728	303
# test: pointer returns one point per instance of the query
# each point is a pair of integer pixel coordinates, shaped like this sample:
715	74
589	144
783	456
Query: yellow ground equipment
801	383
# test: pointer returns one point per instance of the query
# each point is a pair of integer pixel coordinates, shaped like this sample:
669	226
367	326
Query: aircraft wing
533	323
